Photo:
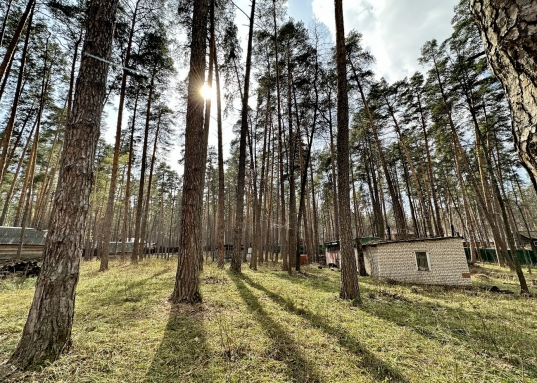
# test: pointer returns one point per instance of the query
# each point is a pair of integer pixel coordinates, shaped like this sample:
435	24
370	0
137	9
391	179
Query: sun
207	92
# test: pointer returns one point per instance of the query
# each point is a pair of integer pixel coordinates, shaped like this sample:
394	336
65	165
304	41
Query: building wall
397	261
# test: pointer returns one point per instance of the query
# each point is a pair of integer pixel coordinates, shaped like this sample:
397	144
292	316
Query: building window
422	261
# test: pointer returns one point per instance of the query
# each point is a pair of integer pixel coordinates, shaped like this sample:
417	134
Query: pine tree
48	328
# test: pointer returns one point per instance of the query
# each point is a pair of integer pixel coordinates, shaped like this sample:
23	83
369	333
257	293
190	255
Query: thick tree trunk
349	276
510	39
48	328
186	288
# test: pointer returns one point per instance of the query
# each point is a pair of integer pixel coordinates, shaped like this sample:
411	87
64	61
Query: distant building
435	261
33	243
332	250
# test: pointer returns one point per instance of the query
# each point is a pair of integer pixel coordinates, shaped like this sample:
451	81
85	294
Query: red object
303	259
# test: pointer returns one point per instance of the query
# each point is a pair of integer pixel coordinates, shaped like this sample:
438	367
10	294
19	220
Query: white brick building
435	261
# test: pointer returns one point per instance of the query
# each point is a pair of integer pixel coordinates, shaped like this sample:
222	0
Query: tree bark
104	247
48	328
139	247
186	288
510	38
349	276
143	231
239	203
221	186
126	207
283	224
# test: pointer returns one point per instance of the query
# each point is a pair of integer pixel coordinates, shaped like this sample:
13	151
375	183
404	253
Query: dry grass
266	326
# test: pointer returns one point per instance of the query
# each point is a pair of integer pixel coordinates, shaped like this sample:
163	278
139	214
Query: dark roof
383	242
363	240
11	236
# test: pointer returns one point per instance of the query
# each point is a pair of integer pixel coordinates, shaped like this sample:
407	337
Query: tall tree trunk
349	276
10	192
239	203
359	230
26	194
508	32
334	177
138	247
292	229
207	120
4	22
6	137
257	248
316	239
126	207
304	165
220	226
282	213
186	287
44	188
432	182
458	151
145	217
104	243
21	215
48	328
413	173
398	212
15	39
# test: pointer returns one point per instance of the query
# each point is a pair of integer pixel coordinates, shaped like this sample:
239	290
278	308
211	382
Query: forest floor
267	326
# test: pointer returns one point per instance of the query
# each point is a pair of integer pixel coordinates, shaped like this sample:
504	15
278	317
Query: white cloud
394	30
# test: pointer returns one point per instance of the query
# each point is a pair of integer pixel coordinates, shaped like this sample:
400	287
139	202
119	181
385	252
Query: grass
267	326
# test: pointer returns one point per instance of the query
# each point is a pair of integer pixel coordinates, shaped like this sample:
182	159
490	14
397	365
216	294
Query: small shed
332	250
434	261
33	242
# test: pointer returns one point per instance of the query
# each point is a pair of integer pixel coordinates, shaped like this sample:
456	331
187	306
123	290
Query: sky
393	30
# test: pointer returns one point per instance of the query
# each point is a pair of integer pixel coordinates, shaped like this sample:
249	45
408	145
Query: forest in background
431	155
327	152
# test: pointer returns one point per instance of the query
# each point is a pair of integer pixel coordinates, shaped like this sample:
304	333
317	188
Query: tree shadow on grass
379	369
183	354
130	291
299	368
471	329
311	281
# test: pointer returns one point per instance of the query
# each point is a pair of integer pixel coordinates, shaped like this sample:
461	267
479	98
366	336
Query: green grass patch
267	326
